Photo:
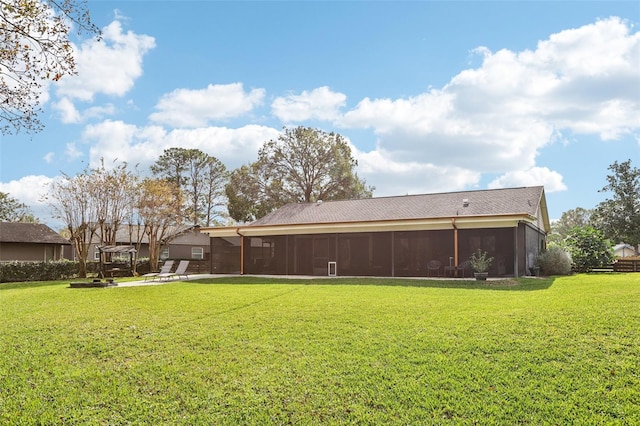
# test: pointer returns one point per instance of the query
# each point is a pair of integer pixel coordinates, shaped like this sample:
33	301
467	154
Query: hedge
37	271
15	271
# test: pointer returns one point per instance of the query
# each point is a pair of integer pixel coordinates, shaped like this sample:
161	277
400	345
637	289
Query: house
389	236
623	250
30	242
182	242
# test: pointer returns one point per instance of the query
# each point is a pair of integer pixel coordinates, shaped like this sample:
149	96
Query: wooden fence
627	264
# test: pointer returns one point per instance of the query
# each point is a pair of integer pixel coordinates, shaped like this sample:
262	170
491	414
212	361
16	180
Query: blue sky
433	96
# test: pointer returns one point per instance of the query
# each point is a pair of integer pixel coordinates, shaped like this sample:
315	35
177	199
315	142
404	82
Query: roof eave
460	222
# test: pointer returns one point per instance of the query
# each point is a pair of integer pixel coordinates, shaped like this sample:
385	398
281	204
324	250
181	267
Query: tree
589	249
215	180
199	176
11	210
248	195
158	208
569	220
619	217
71	199
302	165
35	48
92	205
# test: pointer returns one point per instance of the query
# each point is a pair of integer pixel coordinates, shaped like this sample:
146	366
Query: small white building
623	250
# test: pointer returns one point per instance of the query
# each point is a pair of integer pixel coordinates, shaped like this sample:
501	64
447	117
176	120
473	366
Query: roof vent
465	202
318	202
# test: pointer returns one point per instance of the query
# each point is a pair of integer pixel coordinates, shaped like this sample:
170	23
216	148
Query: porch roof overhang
442	223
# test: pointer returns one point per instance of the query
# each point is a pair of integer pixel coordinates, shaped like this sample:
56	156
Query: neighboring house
623	250
182	242
34	242
389	236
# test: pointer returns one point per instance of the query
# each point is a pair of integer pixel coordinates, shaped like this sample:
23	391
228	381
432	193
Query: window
164	254
197	253
96	254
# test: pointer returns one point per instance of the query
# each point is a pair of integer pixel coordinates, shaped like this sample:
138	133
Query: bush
589	249
37	271
555	261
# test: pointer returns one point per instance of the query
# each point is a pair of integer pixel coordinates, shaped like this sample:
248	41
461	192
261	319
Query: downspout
241	251
455	246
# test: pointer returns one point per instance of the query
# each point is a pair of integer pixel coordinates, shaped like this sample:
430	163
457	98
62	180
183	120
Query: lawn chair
181	271
464	267
166	268
433	265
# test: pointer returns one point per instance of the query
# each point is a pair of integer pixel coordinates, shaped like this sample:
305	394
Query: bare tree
72	201
159	209
35	48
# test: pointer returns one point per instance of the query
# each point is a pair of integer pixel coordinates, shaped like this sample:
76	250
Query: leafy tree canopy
199	176
589	248
11	210
302	165
619	216
569	220
35	48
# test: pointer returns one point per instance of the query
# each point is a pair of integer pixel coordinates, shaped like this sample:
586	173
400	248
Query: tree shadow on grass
506	284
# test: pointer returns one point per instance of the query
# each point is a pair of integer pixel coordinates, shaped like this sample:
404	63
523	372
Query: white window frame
164	253
197	253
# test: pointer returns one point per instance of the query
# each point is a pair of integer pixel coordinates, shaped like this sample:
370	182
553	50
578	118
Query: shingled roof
17	232
495	208
495	202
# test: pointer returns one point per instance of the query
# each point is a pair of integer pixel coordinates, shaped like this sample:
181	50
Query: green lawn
251	351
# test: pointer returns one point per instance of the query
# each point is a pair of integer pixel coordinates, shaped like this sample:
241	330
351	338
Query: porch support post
455	246
211	255
515	252
393	254
241	251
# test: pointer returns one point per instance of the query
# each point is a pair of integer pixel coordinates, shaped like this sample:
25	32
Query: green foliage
229	351
589	249
11	210
37	271
47	271
480	262
570	219
619	216
555	261
201	178
302	165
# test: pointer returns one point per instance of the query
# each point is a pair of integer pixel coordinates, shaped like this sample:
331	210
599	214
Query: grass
257	351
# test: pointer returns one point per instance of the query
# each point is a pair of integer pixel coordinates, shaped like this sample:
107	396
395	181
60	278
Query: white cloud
72	152
48	157
551	180
410	177
497	117
69	114
320	104
30	190
116	140
109	66
196	108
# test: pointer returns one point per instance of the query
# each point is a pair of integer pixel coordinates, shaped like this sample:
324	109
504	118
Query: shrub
555	261
37	271
480	262
589	249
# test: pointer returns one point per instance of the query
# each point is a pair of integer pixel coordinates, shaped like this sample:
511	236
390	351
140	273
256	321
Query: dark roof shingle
451	204
18	232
